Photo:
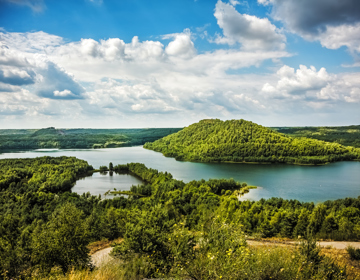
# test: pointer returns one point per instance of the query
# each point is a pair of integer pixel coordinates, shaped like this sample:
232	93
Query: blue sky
138	63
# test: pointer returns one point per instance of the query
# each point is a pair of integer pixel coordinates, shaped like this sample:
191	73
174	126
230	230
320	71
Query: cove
304	183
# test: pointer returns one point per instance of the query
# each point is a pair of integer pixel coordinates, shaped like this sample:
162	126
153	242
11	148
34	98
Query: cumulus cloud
334	23
250	31
312	85
135	78
129	80
16	77
181	46
56	83
335	37
11	57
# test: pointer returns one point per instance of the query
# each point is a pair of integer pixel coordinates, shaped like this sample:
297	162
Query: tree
62	241
111	167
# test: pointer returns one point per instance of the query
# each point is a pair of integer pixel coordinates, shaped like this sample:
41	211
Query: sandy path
100	257
339	245
333	244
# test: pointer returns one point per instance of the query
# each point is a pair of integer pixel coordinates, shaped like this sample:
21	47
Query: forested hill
344	135
25	139
244	141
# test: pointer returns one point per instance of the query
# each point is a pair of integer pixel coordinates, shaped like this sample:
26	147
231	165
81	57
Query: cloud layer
250	31
334	23
169	82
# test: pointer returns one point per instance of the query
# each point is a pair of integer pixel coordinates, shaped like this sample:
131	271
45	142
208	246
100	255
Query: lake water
100	183
305	183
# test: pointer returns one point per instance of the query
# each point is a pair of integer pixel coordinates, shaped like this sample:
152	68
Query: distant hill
213	140
78	138
48	131
344	135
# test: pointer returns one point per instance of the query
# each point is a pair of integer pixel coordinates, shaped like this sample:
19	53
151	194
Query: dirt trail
334	244
102	256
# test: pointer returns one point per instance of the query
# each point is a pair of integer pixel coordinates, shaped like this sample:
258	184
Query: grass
342	258
267	261
110	271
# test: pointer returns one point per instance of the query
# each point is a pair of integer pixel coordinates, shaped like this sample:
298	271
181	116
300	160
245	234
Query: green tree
111	167
62	241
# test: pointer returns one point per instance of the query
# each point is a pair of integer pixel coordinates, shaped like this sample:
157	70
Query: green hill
47	131
213	140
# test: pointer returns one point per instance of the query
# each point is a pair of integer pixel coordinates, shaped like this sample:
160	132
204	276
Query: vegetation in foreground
25	139
169	228
214	140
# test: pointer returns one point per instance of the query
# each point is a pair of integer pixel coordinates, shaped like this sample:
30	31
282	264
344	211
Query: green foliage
344	135
191	230
78	138
354	253
103	168
30	191
242	141
62	241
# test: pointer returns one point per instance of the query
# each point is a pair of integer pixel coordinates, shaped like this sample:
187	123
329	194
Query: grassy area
266	260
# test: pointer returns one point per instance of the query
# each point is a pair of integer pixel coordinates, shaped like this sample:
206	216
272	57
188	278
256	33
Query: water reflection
304	183
100	183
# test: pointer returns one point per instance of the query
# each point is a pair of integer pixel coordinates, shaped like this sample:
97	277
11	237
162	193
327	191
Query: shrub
353	252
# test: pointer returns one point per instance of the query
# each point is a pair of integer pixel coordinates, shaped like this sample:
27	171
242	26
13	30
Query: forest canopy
344	135
45	228
25	139
213	140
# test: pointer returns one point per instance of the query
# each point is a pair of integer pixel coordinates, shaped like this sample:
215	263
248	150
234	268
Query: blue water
304	183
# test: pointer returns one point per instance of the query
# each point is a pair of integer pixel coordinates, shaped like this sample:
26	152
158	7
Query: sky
170	63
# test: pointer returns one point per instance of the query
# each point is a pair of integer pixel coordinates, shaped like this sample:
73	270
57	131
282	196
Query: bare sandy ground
334	244
101	257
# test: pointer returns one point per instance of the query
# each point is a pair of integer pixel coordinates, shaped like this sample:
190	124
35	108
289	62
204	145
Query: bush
353	252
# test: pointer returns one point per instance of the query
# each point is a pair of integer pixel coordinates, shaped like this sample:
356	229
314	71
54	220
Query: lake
304	183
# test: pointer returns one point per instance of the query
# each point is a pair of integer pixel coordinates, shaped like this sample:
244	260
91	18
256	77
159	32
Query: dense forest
344	135
25	139
169	229
214	140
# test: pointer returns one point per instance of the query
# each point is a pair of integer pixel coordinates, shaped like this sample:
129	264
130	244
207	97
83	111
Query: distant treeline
22	139
45	228
243	141
344	135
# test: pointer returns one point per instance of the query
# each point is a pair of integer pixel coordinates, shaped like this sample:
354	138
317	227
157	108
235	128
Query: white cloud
139	81
234	2
312	85
141	77
32	42
250	31
63	93
15	76
335	37
333	23
55	82
181	46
